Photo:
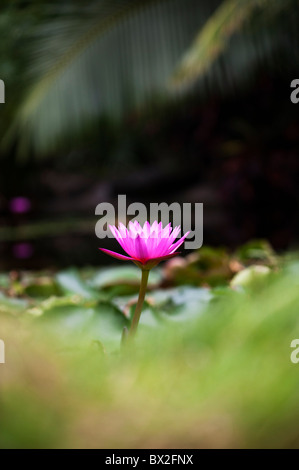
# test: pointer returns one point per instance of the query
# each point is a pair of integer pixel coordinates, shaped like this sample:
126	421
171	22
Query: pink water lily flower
147	245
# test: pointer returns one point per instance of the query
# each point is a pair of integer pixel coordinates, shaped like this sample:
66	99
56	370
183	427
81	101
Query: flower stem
142	291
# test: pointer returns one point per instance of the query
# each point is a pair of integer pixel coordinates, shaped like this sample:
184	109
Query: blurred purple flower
22	250
20	205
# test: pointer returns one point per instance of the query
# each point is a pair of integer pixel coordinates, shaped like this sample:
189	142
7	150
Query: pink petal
151	263
115	232
134	229
123	230
175	233
166	231
161	249
163	245
178	243
140	248
138	227
159	228
146	229
162	258
170	239
122	241
116	255
151	244
125	240
154	227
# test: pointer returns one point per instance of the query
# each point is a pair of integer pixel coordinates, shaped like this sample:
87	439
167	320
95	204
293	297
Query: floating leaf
257	250
42	287
254	277
70	282
12	305
79	324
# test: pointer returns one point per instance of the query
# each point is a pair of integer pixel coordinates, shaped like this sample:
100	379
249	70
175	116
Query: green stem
142	291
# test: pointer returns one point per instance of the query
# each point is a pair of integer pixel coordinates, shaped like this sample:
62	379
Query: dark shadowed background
175	101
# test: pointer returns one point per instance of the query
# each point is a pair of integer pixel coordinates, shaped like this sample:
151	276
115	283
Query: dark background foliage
229	140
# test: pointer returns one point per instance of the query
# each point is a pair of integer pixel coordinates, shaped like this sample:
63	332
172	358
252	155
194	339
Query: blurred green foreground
210	367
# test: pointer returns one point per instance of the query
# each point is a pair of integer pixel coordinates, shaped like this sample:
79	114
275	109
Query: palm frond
112	57
107	57
229	18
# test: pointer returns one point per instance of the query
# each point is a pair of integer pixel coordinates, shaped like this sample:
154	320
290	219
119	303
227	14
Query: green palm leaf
229	18
105	58
112	57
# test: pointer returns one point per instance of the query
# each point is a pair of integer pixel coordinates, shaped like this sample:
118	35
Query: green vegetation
210	366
